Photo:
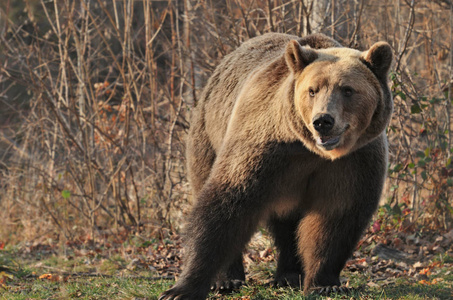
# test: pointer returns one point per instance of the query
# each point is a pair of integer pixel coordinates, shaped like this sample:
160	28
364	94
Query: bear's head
341	95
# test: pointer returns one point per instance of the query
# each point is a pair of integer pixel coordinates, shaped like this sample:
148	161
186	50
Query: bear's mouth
328	142
332	141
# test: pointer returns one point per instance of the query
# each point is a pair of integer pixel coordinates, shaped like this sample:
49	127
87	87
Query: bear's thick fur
289	131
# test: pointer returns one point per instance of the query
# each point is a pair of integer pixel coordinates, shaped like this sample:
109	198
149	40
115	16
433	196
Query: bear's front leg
232	278
345	194
221	223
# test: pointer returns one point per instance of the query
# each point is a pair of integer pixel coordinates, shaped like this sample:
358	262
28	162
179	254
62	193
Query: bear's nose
323	123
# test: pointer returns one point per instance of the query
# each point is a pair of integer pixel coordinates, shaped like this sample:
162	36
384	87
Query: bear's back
225	84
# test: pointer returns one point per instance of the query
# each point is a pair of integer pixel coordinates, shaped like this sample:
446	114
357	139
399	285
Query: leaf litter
381	259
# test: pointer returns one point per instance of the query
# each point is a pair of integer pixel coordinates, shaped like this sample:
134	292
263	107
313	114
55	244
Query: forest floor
399	266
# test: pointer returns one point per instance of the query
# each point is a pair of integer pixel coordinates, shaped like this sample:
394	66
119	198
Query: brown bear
290	131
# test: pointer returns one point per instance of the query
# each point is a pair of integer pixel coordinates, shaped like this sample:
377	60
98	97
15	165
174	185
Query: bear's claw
294	280
227	286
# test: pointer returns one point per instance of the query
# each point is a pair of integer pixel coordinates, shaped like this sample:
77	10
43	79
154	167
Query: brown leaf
425	271
372	284
45	276
52	277
376	226
436	280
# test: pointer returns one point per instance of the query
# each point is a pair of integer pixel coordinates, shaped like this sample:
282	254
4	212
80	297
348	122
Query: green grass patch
133	288
79	278
84	288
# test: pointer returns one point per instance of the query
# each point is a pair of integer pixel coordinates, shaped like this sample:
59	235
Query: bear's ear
379	58
298	57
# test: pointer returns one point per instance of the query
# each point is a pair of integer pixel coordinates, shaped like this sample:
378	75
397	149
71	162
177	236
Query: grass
84	288
128	288
116	283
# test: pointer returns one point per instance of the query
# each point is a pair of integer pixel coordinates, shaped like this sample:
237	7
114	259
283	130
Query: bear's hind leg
289	268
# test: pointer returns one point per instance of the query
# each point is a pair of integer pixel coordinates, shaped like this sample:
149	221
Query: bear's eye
311	92
347	91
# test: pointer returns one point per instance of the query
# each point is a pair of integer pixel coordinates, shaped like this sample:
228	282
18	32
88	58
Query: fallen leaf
424	282
51	277
4	274
4	277
376	226
425	271
449	235
398	243
45	276
417	265
436	280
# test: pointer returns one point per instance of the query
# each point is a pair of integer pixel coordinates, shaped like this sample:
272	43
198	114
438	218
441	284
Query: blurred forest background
96	98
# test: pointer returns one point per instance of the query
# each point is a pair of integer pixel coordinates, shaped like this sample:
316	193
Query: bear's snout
323	123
